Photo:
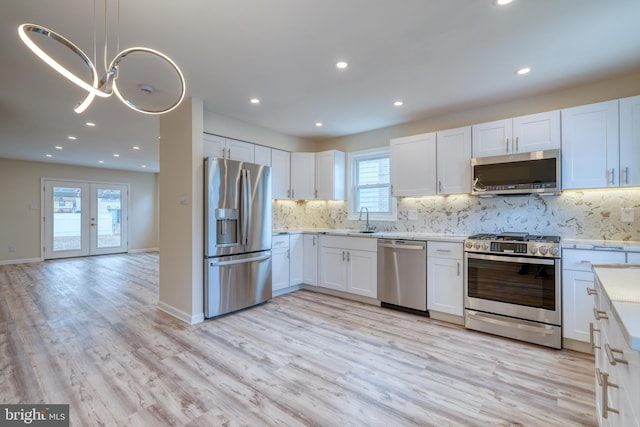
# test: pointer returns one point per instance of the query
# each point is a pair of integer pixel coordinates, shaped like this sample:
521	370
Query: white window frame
353	213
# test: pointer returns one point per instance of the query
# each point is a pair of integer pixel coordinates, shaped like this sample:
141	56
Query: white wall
20	191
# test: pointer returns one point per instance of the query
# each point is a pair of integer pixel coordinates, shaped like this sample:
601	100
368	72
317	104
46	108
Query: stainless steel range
513	287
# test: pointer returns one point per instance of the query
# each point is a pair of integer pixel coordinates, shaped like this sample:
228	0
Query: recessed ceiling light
342	64
73	138
398	103
91	124
143	166
48	155
116	155
319	124
501	2
135	147
254	101
101	161
523	71
58	147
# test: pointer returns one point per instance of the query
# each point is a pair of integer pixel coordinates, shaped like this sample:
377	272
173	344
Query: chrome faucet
367	226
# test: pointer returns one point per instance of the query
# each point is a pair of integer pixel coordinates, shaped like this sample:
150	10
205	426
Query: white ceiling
435	55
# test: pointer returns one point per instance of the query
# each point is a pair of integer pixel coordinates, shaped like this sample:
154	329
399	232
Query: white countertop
382	234
621	283
608	245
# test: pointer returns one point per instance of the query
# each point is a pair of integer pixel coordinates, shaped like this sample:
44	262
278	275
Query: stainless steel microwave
513	174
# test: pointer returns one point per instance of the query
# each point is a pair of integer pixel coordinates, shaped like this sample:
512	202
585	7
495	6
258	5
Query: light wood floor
87	332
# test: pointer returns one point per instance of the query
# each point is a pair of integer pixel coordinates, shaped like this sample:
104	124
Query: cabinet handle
293	193
314	240
603	381
507	145
516	150
591	291
591	336
348	256
626	175
391	189
316	193
458	268
288	253
288	193
440	186
600	314
343	256
613	171
612	358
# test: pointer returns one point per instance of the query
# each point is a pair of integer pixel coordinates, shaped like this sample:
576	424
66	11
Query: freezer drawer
236	282
402	273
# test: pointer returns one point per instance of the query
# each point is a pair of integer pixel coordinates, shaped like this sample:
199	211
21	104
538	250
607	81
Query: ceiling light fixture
58	147
90	124
398	103
101	161
107	85
254	101
501	2
342	65
73	138
48	155
135	147
523	71
319	124
116	155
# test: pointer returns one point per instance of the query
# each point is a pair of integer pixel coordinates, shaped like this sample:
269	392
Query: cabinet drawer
581	259
352	243
280	241
444	250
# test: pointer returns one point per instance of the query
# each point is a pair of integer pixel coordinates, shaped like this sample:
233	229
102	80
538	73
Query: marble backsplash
593	215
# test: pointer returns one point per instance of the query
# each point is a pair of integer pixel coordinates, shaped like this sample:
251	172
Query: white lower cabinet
445	277
577	276
280	257
296	259
310	262
348	264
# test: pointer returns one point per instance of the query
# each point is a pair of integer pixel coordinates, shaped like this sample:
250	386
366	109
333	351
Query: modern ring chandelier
107	85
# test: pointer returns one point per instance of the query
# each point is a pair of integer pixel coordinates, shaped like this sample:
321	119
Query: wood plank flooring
87	332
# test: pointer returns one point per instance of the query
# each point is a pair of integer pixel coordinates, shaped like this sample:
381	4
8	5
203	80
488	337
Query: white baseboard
181	315
139	251
19	261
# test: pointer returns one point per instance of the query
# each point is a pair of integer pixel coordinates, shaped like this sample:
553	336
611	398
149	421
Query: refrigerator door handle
239	261
249	204
244	211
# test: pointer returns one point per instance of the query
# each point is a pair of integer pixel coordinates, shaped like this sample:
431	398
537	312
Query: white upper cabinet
413	165
630	142
262	155
523	134
226	148
454	161
280	174
303	176
590	146
330	175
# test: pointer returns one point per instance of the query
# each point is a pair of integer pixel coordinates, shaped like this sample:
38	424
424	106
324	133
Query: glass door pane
67	218
109	224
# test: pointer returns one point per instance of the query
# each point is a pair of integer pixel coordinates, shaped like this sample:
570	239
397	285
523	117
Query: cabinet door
445	285
310	251
577	304
413	165
303	176
536	132
590	146
280	267
362	273
280	173
492	138
454	161
262	155
630	142
240	150
330	175
214	145
333	268
296	257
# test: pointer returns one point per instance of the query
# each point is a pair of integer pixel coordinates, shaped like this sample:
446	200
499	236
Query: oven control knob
533	249
485	246
476	245
468	245
553	250
543	250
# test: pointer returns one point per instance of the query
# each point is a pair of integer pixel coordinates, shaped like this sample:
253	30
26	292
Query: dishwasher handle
395	246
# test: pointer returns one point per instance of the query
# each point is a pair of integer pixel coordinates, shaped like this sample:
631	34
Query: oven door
520	287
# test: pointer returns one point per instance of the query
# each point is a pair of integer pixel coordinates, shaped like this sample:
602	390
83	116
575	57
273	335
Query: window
370	185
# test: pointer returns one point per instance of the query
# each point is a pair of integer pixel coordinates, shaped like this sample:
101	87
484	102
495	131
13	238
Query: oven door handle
508	258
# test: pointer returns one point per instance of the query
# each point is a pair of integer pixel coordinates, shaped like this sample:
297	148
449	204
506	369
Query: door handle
507	139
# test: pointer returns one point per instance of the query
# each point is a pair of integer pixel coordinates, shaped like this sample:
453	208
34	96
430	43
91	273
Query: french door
84	218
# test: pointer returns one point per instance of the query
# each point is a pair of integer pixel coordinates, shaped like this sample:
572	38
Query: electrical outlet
626	214
412	215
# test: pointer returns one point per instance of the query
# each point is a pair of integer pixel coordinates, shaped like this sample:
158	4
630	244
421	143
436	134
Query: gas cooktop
514	243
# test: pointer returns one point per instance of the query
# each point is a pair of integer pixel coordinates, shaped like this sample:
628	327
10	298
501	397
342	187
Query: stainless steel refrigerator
237	235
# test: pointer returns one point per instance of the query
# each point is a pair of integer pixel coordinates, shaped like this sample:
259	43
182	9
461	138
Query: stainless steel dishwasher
402	274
